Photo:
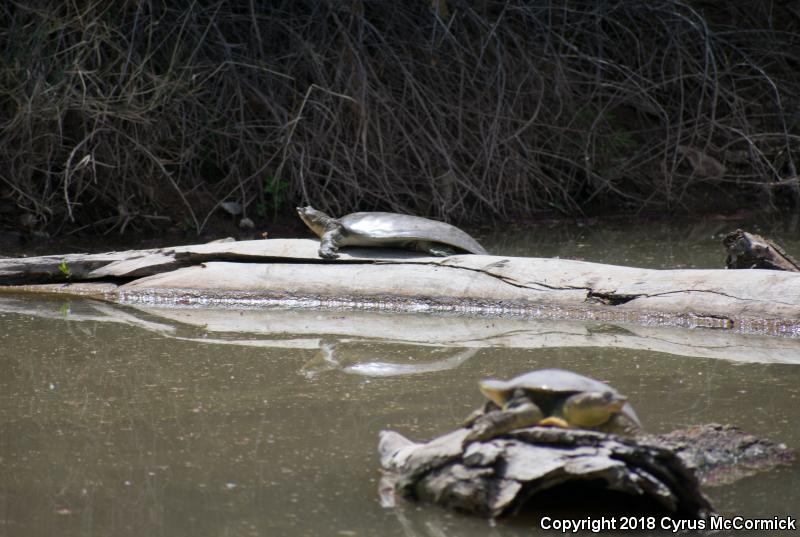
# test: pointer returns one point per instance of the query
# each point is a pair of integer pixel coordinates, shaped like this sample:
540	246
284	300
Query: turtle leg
621	425
487	407
324	360
554	421
499	422
329	244
435	249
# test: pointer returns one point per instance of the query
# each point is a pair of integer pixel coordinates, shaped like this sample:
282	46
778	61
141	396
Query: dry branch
748	250
119	115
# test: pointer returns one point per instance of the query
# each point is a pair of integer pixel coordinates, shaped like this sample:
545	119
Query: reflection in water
308	329
332	357
121	421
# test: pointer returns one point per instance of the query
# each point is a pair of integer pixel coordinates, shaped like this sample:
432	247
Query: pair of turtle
387	230
552	397
546	397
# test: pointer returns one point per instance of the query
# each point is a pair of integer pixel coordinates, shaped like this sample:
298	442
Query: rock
233	208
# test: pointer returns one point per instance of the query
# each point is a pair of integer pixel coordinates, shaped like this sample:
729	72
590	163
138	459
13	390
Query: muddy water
657	244
123	421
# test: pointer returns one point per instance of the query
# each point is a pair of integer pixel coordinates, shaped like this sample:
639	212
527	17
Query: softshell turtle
387	229
553	397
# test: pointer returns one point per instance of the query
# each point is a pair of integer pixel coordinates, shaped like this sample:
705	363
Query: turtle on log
513	473
503	461
552	397
387	230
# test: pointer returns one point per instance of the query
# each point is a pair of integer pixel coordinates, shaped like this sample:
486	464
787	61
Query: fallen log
288	272
724	454
505	475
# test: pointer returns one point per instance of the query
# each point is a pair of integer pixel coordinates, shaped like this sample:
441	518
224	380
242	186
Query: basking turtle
551	397
387	229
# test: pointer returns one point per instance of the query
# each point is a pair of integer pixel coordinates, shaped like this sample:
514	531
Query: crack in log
600	297
514	283
720	293
609	299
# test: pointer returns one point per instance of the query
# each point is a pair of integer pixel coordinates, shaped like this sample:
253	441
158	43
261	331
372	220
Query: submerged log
751	251
723	454
289	272
502	476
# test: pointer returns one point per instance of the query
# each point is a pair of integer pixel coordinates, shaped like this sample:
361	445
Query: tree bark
504	475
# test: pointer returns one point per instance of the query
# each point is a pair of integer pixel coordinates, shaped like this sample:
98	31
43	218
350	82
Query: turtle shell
393	227
551	381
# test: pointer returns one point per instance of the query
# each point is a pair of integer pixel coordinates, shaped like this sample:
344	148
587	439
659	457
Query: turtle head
590	409
497	391
316	220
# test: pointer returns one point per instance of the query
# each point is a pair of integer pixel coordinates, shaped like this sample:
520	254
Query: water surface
124	421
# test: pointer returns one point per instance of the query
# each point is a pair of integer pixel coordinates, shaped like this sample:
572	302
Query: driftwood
502	476
751	251
289	272
723	454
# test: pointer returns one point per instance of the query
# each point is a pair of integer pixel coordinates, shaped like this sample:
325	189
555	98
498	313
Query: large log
289	272
505	475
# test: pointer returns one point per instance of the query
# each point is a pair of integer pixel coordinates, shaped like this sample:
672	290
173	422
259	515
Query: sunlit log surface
288	272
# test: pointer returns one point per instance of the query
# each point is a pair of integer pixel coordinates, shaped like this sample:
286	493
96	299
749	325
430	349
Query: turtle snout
617	402
614	401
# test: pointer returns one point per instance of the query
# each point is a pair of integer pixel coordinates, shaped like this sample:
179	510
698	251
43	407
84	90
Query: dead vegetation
131	114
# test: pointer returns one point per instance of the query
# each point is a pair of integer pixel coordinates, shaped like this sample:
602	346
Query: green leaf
64	268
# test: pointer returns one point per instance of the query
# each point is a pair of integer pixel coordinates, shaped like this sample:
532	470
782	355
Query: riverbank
451	110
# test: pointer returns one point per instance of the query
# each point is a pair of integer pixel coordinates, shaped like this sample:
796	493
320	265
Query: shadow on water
131	421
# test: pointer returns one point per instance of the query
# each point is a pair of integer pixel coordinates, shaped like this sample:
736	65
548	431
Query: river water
121	420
